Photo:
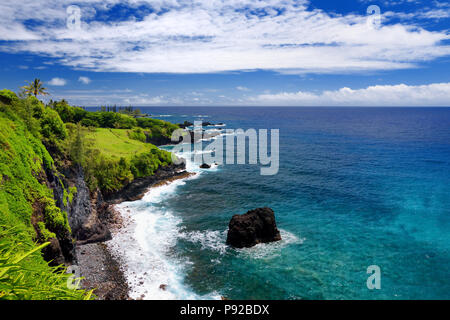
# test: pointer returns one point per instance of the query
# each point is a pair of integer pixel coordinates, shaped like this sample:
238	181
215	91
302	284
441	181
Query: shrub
137	134
52	126
157	127
8	97
45	234
55	219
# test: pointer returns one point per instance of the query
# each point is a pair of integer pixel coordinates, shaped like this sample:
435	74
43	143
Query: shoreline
101	268
148	273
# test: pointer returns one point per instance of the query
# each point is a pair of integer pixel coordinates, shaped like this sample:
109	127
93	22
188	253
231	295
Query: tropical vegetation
36	139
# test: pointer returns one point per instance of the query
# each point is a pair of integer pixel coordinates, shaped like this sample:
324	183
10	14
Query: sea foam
146	245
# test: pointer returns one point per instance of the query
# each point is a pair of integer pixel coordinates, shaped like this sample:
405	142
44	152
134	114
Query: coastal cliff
60	169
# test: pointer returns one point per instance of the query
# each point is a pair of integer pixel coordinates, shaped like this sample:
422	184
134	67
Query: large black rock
255	226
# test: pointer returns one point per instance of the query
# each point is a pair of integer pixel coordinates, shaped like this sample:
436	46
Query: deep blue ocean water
356	187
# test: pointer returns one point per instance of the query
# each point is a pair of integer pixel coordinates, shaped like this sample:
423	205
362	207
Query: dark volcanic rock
53	253
160	140
256	226
82	210
205	166
185	124
138	187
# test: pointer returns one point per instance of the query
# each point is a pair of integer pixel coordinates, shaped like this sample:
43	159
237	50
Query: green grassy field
115	143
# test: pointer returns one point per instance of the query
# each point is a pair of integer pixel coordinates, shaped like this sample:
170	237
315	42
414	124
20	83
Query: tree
77	148
35	88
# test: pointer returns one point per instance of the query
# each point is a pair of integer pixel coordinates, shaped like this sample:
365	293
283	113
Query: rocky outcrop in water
255	226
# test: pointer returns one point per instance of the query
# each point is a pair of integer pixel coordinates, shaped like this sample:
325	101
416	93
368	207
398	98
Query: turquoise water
356	187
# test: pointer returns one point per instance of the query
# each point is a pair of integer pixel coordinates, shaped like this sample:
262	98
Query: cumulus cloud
179	36
436	94
59	82
84	80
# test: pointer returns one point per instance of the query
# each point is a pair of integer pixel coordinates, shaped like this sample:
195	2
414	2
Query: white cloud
59	82
436	94
241	88
218	36
84	80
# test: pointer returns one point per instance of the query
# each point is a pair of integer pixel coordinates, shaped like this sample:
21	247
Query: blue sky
230	53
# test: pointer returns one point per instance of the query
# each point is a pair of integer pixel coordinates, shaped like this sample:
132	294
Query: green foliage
68	195
145	164
75	144
156	127
101	119
137	134
35	88
112	158
24	275
52	127
8	97
114	143
44	233
23	197
22	160
72	191
67	112
108	174
124	119
55	219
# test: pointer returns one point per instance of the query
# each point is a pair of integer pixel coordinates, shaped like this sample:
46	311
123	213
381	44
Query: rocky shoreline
100	268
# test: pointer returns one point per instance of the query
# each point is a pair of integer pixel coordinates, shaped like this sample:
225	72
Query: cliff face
72	195
87	212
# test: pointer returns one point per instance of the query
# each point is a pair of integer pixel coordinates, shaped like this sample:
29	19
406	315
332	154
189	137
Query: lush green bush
145	164
8	97
111	174
44	233
55	219
156	127
52	127
137	134
67	112
22	160
108	174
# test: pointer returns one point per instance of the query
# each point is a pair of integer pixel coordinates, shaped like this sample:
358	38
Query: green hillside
37	139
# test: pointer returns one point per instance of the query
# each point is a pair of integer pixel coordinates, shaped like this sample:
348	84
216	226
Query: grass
115	143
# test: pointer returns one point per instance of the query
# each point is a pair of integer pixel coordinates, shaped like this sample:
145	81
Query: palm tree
35	88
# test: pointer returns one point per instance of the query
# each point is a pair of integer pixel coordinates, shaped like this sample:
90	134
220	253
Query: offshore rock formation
255	226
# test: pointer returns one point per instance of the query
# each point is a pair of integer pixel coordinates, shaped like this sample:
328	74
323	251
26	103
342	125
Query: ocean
356	187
